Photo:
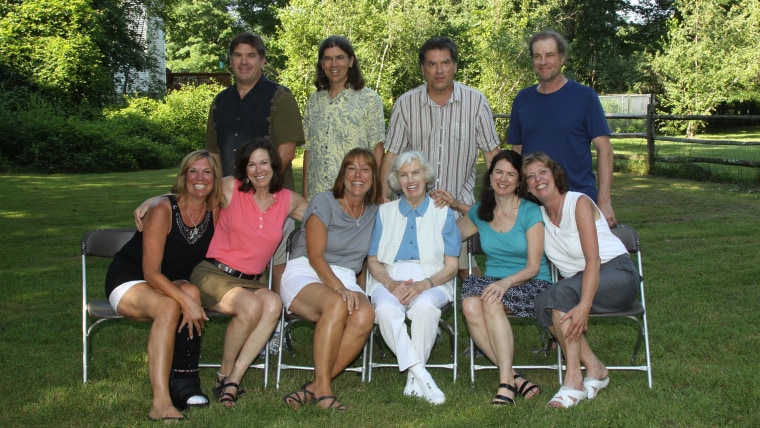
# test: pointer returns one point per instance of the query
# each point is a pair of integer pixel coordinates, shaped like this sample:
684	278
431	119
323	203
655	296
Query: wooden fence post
650	133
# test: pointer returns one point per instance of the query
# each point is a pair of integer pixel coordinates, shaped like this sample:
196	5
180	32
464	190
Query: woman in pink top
248	232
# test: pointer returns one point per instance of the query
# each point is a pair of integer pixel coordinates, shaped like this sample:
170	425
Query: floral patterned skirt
518	299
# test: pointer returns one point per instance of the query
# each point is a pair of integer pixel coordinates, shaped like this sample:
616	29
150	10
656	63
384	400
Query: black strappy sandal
524	390
502	399
334	404
295	401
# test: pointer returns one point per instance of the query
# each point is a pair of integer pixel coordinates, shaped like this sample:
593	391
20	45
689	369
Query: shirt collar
405	209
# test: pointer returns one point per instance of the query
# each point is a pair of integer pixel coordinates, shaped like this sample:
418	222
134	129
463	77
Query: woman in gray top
319	283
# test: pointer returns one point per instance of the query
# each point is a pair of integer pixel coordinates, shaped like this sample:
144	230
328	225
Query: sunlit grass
699	241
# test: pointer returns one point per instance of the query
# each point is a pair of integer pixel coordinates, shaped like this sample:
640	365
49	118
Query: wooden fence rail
651	119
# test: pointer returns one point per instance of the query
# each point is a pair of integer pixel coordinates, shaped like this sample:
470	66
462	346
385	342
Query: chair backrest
105	242
291	240
628	237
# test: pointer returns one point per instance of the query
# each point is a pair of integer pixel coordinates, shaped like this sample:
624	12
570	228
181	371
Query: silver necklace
351	212
194	233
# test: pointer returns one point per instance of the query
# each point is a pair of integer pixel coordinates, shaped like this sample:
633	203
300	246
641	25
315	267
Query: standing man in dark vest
255	106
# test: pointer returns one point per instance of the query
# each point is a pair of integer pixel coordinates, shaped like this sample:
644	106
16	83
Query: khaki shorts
214	284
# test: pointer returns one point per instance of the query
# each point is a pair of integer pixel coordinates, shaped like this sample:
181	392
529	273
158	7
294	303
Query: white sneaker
431	392
412	388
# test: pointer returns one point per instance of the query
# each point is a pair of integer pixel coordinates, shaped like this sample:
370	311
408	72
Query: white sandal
593	386
568	397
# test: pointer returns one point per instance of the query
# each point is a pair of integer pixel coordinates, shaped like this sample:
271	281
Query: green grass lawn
700	245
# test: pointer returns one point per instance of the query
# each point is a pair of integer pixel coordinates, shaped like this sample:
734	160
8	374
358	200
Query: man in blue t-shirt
562	118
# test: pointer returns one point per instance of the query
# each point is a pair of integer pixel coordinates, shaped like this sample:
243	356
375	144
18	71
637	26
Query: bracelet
431	282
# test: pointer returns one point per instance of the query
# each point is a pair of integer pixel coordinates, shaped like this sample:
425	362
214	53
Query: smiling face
335	62
411	178
439	70
540	180
358	178
259	169
246	64
504	178
199	180
547	61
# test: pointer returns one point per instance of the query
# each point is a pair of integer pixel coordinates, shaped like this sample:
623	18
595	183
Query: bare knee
472	308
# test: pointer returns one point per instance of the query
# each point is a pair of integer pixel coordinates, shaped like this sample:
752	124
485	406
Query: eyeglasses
329	59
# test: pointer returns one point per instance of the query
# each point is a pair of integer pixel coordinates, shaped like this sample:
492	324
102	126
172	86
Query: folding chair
288	320
473	248
106	243
453	333
98	243
637	312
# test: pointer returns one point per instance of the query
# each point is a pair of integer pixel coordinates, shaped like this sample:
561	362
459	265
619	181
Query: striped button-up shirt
449	135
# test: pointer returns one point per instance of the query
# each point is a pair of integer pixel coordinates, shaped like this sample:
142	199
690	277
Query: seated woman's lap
138	300
434	298
618	287
299	274
215	284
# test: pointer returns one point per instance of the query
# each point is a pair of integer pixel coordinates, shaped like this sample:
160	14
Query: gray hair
405	158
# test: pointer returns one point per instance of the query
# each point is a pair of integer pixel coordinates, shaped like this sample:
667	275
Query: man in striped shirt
445	120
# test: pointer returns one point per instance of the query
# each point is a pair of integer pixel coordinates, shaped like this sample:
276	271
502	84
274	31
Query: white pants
424	312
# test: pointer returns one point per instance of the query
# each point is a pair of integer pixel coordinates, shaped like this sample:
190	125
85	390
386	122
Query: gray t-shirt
347	238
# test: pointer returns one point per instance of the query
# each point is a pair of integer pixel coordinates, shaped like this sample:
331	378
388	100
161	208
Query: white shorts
299	273
119	292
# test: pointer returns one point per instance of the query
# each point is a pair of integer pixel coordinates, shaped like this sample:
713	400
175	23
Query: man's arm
489	155
379	152
385	169
211	142
604	165
287	152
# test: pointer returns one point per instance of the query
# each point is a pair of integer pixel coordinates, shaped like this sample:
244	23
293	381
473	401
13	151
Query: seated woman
413	259
319	282
147	281
598	275
249	231
512	237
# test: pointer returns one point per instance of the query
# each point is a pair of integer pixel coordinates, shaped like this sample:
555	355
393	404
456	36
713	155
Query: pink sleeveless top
246	237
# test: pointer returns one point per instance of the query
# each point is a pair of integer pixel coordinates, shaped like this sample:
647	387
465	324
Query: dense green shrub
37	135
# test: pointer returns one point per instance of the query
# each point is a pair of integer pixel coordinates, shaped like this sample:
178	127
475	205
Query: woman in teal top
512	237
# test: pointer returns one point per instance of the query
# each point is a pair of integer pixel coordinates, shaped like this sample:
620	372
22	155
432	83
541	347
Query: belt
232	272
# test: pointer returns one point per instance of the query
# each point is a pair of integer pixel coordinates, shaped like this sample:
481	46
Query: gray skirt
618	288
519	299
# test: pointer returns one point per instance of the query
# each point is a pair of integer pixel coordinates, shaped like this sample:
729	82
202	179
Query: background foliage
59	59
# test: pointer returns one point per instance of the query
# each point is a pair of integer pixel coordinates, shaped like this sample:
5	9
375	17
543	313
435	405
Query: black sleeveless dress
185	247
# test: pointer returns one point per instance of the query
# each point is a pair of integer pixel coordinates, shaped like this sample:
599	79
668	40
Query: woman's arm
379	271
466	227
157	224
585	214
298	206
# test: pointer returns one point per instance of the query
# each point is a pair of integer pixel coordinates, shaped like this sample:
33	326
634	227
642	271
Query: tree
69	50
51	46
710	56
385	34
198	33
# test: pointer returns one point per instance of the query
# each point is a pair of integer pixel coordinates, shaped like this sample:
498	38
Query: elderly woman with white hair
412	261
